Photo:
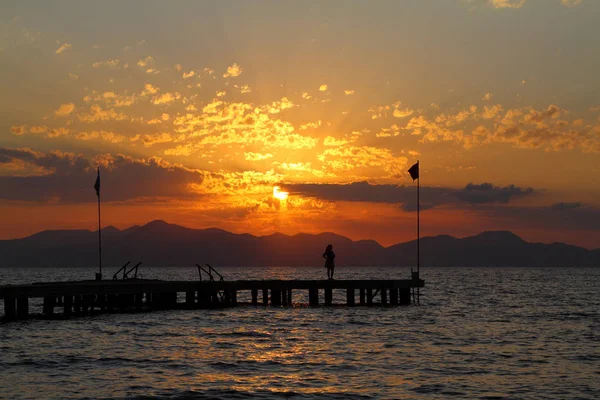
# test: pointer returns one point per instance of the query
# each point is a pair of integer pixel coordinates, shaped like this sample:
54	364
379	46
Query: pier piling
350	296
313	297
9	308
22	307
328	296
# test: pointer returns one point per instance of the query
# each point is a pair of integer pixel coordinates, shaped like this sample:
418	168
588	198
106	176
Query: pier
66	299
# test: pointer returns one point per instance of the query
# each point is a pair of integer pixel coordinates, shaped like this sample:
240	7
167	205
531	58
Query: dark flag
414	171
97	184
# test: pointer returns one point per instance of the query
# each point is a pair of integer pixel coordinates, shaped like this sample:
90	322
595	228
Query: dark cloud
430	197
487	193
69	178
566	206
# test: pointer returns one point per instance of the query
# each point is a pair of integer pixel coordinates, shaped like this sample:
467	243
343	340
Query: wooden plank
144	286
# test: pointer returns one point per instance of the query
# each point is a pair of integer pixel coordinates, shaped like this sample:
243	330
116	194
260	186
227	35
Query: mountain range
159	243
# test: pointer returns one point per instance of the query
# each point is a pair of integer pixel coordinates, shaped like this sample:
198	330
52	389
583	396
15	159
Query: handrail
115	276
126	273
200	270
209	273
210	268
133	268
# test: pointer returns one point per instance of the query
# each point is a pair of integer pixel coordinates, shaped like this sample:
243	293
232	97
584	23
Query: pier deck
83	297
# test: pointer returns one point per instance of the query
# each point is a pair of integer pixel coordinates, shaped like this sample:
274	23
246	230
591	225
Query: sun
278	194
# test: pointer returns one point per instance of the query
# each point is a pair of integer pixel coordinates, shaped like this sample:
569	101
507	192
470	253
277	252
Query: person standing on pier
329	256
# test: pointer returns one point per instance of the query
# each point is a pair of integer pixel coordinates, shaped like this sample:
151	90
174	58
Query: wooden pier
65	299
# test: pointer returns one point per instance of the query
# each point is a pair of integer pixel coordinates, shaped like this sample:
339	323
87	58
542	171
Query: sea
477	333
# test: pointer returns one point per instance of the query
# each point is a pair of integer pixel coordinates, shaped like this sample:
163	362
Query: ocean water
477	333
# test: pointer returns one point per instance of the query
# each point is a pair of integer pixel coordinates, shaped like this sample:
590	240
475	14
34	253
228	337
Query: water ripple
478	333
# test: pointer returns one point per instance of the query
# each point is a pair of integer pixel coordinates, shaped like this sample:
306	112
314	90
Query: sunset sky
196	110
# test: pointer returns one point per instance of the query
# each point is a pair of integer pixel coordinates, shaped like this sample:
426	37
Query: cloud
487	97
57	132
68	178
165	98
566	206
152	139
97	113
243	88
149	89
520	3
111	63
486	193
145	61
398	113
348	92
64	110
250	156
506	3
233	71
331	141
552	111
492	112
17	130
104	135
431	197
346	158
323	88
379	111
37	129
188	74
111	99
63	47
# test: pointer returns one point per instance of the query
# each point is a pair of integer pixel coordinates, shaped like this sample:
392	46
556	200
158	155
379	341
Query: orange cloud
145	61
64	110
233	71
166	98
63	47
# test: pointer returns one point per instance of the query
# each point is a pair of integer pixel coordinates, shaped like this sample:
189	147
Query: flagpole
418	228
99	234
414	174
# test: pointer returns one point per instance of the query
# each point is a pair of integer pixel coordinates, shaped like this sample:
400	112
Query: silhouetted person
329	256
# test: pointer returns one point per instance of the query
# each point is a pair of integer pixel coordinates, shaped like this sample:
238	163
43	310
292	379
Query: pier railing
209	273
126	273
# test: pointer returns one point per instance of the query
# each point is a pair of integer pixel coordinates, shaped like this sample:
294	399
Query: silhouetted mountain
162	244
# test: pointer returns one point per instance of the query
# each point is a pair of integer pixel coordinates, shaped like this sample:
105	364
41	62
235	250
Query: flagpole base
98	276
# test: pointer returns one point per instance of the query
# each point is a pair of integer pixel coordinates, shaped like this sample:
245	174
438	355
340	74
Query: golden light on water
279	194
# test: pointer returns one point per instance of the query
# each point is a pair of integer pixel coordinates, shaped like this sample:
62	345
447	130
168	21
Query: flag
414	171
97	184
